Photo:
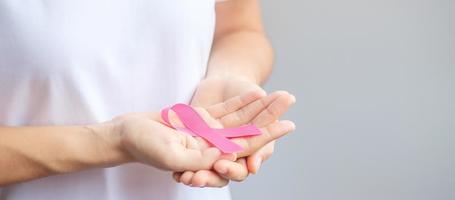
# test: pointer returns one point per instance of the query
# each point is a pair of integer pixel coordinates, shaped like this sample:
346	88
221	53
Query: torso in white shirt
79	62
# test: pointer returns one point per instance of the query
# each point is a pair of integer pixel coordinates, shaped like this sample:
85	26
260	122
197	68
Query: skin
274	105
29	153
241	60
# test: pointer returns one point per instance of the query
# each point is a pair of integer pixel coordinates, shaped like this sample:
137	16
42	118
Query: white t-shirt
86	61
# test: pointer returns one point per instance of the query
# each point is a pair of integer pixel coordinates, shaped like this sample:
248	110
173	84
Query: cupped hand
148	140
216	89
273	107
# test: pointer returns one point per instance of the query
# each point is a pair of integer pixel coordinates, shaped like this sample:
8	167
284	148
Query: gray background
375	114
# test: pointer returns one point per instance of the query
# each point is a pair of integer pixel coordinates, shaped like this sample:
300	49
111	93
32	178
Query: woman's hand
216	89
148	140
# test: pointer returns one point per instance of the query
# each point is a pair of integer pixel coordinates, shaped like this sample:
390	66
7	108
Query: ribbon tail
242	131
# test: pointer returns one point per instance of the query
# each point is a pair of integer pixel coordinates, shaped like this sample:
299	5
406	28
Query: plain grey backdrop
375	112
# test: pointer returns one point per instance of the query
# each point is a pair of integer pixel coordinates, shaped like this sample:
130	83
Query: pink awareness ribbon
196	126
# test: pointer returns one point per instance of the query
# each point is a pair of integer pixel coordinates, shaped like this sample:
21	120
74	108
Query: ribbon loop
196	126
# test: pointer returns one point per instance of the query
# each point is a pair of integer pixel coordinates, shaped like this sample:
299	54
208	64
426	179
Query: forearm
243	53
32	152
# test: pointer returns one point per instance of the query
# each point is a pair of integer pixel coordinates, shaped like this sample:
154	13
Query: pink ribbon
196	126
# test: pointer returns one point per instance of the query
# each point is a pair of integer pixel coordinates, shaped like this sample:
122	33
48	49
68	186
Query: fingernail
258	164
290	124
293	98
231	157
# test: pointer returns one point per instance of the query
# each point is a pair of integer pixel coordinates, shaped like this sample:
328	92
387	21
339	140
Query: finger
245	114
255	160
186	177
275	109
182	159
208	178
212	122
236	171
269	133
176	176
234	103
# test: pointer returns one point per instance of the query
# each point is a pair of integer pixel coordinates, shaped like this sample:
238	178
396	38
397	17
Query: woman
89	62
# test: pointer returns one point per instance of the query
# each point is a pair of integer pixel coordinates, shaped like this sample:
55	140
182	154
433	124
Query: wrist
110	148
